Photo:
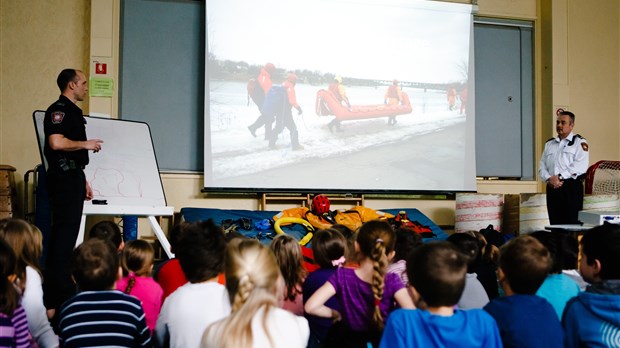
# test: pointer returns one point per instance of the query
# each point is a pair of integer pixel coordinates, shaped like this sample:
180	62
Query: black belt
578	179
67	164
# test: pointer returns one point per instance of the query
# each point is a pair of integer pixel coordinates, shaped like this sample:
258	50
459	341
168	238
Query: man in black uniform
66	150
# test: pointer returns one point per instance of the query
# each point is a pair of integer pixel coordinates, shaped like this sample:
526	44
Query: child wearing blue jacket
592	318
436	272
524	319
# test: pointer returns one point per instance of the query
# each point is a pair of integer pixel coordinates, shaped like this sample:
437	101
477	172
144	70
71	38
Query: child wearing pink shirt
137	263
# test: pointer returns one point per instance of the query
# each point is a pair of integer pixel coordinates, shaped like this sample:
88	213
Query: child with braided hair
137	263
366	295
252	276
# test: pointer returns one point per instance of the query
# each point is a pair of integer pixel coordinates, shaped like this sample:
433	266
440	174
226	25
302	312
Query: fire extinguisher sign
101	68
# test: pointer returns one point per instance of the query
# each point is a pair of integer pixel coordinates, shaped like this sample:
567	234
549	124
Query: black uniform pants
66	190
564	203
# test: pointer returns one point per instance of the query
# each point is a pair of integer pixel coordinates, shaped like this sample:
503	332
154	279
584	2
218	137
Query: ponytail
376	239
244	289
251	277
379	260
130	284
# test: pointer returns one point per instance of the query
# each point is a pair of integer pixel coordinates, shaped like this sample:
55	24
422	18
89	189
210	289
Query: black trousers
66	190
564	203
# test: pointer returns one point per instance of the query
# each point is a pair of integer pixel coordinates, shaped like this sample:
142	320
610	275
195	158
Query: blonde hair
137	258
290	260
251	276
26	241
376	239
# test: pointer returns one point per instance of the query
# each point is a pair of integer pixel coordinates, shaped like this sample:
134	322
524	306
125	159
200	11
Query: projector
599	217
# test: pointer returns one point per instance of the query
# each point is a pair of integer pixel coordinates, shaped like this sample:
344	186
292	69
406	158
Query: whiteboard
125	171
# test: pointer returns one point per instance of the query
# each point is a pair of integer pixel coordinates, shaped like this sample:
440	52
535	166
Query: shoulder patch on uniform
584	146
57	117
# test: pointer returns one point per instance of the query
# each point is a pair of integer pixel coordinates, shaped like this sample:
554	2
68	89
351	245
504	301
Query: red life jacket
393	92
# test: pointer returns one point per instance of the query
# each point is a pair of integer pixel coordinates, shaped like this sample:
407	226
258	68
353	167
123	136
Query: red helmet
320	204
270	68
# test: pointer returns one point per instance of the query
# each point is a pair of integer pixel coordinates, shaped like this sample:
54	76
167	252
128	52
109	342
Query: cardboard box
525	213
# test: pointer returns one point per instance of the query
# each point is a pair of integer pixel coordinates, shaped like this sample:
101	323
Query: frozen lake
368	145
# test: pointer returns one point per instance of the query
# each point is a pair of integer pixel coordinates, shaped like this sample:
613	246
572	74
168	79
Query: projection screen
406	68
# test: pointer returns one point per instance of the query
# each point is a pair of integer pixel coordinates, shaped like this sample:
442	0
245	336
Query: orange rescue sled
327	104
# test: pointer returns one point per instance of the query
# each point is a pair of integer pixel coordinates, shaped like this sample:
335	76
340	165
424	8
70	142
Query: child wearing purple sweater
13	323
366	295
329	248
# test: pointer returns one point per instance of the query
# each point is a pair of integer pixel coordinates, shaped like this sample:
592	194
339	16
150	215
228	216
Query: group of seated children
374	287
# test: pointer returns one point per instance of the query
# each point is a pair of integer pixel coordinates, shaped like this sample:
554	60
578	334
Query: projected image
338	95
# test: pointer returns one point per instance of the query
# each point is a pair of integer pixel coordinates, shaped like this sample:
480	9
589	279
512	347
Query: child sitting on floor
108	230
406	241
524	319
99	315
26	241
591	319
137	263
366	295
557	288
474	295
169	274
329	247
437	274
252	275
13	323
188	311
290	260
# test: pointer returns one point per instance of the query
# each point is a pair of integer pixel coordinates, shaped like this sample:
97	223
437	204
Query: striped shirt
103	318
14	329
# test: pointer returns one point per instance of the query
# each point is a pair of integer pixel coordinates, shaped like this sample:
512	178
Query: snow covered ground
238	159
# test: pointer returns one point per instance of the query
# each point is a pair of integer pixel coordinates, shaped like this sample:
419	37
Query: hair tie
377	302
379	240
339	262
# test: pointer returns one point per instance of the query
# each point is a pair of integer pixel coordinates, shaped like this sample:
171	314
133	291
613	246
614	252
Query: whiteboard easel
148	212
124	173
